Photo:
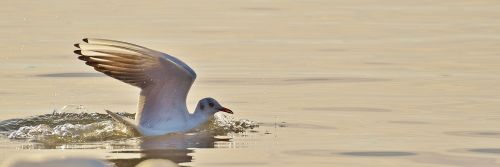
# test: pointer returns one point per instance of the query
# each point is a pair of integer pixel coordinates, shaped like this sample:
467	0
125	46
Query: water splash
73	124
222	124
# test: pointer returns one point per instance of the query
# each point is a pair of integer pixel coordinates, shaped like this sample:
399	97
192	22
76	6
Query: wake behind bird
67	126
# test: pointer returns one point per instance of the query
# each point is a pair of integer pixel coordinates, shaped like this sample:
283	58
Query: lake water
331	83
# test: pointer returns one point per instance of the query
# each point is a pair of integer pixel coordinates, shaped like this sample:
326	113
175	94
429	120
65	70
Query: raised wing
164	80
130	63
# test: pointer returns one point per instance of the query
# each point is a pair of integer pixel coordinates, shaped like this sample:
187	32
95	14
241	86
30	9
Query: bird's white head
209	106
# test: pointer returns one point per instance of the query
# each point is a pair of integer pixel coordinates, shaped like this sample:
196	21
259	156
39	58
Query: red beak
226	110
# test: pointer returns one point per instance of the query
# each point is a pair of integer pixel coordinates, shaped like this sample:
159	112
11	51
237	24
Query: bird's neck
197	118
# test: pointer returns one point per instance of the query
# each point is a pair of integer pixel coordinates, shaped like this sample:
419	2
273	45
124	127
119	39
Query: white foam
62	127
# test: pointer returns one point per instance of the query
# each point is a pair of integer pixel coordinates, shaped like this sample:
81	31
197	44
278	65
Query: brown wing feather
127	65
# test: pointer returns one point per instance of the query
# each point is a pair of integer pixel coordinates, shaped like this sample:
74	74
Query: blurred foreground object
54	161
157	163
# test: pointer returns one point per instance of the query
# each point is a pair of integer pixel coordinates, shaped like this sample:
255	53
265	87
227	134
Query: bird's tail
125	121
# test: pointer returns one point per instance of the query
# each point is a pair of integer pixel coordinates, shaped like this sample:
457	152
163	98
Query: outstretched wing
164	80
130	63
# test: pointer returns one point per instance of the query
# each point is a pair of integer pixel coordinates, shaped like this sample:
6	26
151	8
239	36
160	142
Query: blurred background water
331	83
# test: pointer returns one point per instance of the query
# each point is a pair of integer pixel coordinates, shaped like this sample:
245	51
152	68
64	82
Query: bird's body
164	81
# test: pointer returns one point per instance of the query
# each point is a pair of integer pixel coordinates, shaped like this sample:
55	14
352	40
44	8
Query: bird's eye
202	106
211	104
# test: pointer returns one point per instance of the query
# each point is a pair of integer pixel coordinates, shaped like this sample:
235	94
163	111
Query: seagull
164	82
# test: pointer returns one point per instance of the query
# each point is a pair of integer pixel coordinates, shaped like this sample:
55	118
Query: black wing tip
86	40
78	52
93	64
76	45
83	58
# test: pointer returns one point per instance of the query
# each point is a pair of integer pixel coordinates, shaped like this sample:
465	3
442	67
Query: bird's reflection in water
173	147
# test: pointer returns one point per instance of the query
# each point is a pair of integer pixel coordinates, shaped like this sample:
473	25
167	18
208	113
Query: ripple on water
175	155
292	80
454	160
236	163
335	79
408	122
488	134
327	153
378	153
312	152
486	150
71	74
378	63
296	125
58	128
355	109
260	8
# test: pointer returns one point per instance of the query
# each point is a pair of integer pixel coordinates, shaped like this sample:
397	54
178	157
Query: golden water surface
334	83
